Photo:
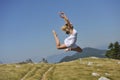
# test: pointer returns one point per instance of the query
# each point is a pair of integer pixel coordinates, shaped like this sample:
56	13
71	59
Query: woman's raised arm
62	15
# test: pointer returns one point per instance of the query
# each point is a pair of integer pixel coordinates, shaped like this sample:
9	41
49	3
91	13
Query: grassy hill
81	69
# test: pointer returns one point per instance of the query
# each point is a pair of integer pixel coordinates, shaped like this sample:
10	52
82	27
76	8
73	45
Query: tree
113	50
110	46
25	62
29	61
44	60
117	50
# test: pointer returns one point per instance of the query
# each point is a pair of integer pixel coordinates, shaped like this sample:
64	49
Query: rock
118	62
107	74
80	60
103	78
94	57
90	63
95	74
17	66
35	63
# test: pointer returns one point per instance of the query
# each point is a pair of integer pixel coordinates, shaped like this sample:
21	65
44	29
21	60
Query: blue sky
26	25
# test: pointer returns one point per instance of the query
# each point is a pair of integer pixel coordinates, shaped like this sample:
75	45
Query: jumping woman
70	41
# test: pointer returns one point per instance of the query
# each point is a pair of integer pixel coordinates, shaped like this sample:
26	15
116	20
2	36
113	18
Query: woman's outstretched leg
77	49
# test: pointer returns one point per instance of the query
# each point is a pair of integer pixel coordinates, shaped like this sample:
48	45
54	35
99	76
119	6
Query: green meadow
80	69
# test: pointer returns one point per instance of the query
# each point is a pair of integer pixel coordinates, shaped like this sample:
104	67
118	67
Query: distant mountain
57	57
87	52
68	56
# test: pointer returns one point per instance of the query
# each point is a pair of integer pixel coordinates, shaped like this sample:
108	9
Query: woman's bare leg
58	45
56	38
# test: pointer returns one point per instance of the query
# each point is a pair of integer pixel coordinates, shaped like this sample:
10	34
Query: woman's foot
67	49
54	33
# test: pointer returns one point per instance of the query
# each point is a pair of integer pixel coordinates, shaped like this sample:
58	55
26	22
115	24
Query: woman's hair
65	27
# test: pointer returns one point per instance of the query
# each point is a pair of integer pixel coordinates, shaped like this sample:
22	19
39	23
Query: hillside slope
91	68
87	52
71	55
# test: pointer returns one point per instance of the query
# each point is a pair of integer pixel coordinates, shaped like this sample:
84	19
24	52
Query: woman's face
66	29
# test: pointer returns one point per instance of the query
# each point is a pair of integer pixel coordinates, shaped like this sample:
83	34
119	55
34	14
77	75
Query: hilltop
91	68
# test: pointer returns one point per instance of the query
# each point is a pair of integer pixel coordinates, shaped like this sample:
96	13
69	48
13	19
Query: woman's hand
62	14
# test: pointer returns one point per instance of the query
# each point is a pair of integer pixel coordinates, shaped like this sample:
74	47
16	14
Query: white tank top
71	40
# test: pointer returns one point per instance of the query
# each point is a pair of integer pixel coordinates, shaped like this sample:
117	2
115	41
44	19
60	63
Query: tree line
113	50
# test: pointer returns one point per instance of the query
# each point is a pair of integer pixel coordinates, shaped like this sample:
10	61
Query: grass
13	71
37	72
80	69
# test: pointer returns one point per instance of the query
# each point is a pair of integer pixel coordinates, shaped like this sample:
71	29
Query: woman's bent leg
58	45
56	38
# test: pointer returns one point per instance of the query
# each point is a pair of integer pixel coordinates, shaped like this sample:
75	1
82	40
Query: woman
69	42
